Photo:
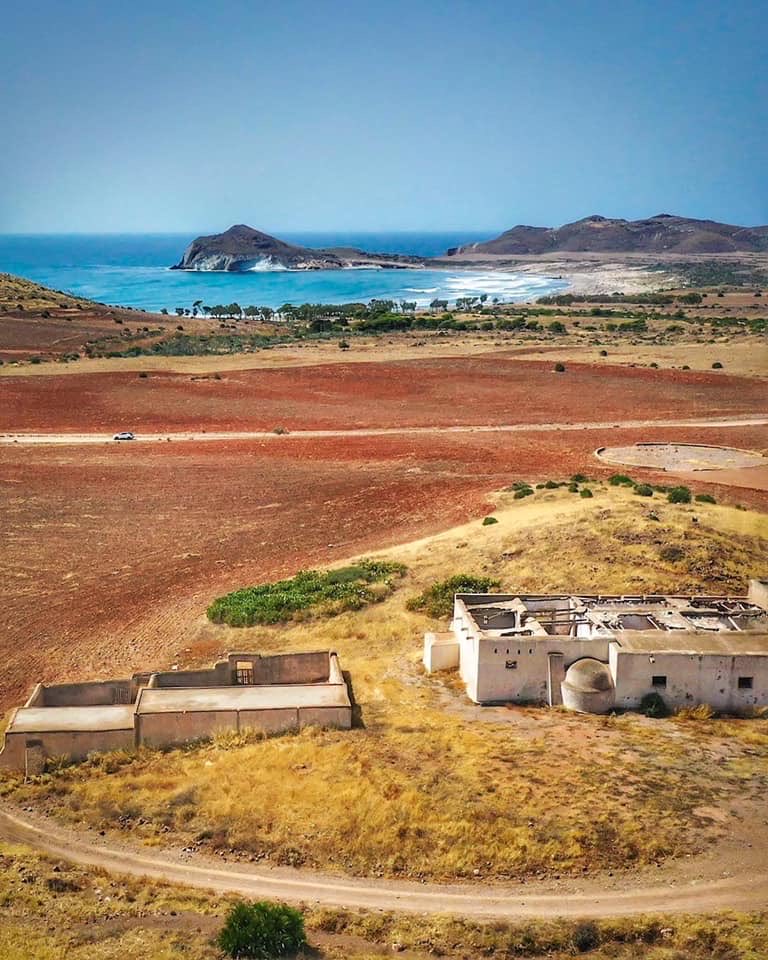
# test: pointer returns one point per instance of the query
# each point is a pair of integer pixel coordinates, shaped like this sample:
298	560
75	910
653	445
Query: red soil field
111	554
439	392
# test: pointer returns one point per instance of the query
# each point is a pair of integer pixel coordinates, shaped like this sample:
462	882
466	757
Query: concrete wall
527	680
290	668
339	718
282	668
758	593
165	729
441	652
191	678
92	694
269	721
73	744
691	679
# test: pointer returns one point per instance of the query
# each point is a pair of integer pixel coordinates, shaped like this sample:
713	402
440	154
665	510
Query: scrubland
430	786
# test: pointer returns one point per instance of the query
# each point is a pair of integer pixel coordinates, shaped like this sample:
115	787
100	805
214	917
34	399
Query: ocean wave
265	265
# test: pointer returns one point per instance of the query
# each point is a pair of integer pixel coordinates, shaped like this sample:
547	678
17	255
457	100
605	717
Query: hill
241	248
663	233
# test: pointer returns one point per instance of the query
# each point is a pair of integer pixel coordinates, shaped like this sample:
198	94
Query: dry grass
432	786
52	910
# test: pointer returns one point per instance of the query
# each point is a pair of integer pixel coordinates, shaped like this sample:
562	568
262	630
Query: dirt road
747	892
223	436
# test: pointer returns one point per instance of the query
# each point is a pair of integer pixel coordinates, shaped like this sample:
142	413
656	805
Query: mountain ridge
662	233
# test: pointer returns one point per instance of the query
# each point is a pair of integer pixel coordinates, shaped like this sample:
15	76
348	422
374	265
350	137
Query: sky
410	115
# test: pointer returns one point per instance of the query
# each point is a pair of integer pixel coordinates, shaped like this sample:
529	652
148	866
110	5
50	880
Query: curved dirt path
755	420
748	892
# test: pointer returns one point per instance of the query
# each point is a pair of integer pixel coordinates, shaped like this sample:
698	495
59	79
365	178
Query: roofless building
246	691
598	653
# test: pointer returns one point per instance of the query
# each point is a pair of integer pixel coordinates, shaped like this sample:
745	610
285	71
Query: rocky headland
241	249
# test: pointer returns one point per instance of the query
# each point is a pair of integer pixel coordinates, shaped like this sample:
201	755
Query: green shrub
705	498
262	930
437	600
717	365
603	353
586	493
573	488
652	705
621	480
487	521
552	485
579	478
522	492
643	490
348	588
559	368
679	495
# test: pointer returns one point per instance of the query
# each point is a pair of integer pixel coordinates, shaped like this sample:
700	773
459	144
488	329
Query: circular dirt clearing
677	457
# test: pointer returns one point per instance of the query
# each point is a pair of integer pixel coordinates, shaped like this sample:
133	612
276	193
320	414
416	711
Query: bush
586	493
679	495
551	485
705	498
262	930
717	365
559	368
671	553
488	521
348	588
652	705
579	478
643	490
603	353
522	492
143	375
621	480
573	488
343	345
586	936
437	600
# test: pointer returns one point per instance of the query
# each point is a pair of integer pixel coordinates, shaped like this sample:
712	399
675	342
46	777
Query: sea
132	270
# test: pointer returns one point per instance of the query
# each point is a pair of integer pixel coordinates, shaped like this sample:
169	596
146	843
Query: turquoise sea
131	270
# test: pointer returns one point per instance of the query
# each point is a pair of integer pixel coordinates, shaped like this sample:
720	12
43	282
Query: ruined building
599	653
245	691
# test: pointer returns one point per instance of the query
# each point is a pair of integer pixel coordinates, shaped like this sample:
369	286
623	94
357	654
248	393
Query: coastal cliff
241	249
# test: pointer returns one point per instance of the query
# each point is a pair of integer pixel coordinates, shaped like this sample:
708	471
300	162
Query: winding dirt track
755	420
732	893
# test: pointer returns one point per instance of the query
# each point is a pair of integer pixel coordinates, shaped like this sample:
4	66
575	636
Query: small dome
589	676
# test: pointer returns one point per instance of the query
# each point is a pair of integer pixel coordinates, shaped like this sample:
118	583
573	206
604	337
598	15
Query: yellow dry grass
433	786
53	910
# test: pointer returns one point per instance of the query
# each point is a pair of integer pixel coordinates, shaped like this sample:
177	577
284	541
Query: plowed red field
438	392
111	554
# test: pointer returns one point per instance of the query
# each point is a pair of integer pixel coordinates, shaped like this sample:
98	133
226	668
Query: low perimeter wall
74	744
165	729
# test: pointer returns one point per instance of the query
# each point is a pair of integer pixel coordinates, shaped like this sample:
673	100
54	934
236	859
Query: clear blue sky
308	115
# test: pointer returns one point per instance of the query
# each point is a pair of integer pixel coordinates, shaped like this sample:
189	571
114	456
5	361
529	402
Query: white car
124	435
